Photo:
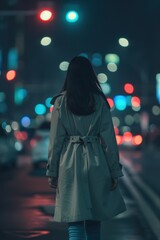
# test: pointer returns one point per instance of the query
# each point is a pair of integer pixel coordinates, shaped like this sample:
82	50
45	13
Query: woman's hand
53	182
114	183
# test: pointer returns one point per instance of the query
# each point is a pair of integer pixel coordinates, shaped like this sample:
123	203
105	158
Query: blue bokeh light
47	102
25	121
40	109
120	102
72	16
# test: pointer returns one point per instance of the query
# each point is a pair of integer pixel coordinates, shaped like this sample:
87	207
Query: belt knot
82	139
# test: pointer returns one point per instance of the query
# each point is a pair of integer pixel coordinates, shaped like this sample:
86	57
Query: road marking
151	218
153	196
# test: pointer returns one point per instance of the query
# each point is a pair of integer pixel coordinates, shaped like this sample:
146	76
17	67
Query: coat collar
55	96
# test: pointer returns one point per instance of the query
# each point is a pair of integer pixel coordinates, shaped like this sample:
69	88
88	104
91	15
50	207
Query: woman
83	163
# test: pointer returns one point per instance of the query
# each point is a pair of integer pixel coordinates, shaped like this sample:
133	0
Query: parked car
39	143
8	152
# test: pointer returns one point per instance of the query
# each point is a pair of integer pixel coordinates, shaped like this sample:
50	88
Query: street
27	202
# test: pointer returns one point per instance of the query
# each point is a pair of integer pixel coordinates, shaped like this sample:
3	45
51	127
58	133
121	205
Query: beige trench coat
83	155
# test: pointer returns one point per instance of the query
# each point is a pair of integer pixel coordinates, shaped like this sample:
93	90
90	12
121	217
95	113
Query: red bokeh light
136	102
111	102
46	15
128	87
51	108
116	130
127	136
22	136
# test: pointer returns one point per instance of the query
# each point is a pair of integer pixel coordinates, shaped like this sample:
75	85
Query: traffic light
72	16
46	11
46	15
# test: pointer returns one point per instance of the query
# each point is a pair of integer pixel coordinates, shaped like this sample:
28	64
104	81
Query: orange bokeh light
137	140
119	139
10	75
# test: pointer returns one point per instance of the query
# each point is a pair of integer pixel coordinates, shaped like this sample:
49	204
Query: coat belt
82	139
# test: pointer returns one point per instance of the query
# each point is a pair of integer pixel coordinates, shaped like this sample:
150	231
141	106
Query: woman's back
84	153
81	125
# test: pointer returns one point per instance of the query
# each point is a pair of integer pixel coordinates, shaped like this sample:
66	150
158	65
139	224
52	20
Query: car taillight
35	140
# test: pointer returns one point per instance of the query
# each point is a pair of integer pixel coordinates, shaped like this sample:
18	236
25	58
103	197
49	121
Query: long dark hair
80	85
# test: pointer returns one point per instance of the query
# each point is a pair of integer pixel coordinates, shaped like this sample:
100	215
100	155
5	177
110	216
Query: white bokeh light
102	77
45	41
112	67
64	66
123	42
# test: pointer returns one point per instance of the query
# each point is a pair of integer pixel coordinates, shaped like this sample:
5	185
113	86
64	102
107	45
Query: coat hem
78	219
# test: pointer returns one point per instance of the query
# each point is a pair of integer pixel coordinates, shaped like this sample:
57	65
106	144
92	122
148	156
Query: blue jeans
84	230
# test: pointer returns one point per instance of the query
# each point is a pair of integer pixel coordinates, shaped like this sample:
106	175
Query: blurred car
39	143
8	152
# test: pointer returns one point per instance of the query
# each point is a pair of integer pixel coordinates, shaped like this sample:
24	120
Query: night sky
101	23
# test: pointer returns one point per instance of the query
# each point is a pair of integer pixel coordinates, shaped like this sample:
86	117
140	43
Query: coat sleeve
109	143
57	137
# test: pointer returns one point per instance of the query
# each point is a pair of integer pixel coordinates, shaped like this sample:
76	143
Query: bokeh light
127	137
84	55
40	109
125	129
25	121
135	102
128	88
156	110
96	60
45	41
116	121
136	109
64	66
120	102
15	125
46	15
18	146
105	88
8	128
111	102
137	140
119	139
123	42
72	16
102	77
116	130
112	67
10	75
129	120
47	102
51	109
112	58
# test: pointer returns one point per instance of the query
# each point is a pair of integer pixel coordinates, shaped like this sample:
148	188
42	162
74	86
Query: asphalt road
27	202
